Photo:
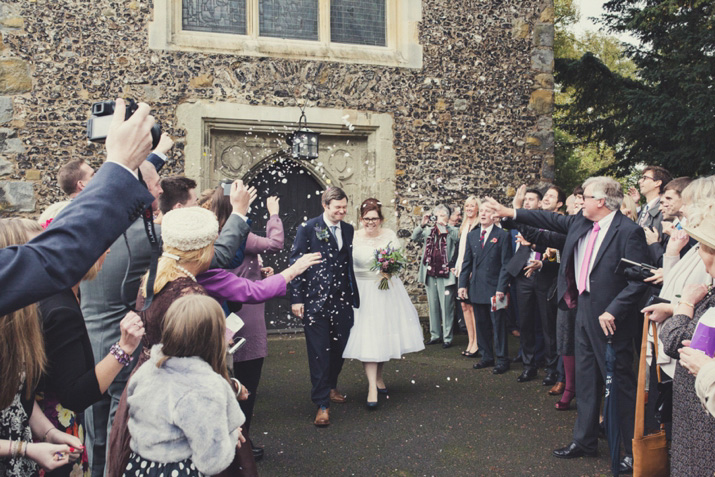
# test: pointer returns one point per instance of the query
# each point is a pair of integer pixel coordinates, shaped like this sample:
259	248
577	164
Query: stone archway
299	188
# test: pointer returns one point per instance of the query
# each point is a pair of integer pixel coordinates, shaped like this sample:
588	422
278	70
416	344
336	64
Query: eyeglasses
591	197
644	177
370	220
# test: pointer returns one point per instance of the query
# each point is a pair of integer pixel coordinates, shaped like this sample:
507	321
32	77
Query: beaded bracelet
122	356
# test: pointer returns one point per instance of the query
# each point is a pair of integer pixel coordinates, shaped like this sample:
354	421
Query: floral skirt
139	466
71	423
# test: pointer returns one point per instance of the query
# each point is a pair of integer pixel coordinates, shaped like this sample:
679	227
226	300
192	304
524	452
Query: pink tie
583	276
481	238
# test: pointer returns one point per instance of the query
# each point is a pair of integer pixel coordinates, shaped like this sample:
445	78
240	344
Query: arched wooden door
299	194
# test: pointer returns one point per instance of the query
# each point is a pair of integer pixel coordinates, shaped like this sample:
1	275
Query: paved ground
442	418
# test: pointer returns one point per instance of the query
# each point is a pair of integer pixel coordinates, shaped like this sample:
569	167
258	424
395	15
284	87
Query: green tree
579	156
662	111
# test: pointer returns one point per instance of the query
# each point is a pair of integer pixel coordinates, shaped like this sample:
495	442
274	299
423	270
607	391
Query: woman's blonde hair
22	349
167	271
630	204
194	325
469	199
697	195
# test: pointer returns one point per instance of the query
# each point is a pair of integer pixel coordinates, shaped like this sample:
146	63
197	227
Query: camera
101	118
433	218
635	271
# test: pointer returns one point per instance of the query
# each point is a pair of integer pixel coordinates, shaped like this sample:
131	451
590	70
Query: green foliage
660	113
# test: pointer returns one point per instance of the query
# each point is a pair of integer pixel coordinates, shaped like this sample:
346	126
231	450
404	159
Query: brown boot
337	396
322	418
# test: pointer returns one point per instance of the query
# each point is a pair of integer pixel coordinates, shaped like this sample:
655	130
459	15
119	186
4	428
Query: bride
386	324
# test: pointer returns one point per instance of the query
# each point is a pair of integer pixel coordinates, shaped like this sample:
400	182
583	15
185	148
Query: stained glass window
296	19
360	22
219	16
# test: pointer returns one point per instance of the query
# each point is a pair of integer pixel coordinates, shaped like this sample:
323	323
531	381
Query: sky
594	8
588	8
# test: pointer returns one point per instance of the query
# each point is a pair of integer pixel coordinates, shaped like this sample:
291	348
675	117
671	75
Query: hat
189	228
704	232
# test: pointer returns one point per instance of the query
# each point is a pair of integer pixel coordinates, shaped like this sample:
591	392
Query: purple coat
253	315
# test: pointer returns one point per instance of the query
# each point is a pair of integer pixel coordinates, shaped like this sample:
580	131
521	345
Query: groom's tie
338	238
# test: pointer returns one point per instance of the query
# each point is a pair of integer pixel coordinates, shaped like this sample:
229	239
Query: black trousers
491	333
249	374
534	305
591	376
326	334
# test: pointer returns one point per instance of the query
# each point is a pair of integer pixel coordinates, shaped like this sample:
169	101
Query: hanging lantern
303	143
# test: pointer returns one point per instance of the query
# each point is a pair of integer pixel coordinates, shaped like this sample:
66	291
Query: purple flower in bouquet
388	261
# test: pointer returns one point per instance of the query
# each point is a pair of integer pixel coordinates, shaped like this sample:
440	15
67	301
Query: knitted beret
189	228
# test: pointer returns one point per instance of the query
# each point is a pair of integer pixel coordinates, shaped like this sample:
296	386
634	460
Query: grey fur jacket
183	410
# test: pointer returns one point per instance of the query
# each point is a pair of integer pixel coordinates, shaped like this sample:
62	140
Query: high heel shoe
565	404
382	390
371	405
471	355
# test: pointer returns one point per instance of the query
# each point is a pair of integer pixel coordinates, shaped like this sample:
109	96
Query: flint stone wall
475	119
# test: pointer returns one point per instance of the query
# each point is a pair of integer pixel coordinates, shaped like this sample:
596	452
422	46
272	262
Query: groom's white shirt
338	231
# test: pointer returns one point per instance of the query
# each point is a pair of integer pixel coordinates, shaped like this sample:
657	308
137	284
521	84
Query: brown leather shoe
557	389
322	418
337	396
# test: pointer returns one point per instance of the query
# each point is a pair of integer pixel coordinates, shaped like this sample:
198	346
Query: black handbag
664	403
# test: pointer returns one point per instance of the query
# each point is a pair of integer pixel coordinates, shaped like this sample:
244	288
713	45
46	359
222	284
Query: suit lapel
612	229
487	245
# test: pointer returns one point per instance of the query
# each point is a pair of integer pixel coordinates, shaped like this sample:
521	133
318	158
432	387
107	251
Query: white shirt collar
488	230
652	203
605	222
328	222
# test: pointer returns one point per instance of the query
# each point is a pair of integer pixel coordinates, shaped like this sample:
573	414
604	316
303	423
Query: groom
324	297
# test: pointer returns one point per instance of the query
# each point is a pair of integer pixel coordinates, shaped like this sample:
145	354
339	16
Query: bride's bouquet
388	260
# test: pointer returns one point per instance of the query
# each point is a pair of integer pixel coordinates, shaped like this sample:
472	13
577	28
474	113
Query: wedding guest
693	431
189	235
651	185
386	324
702	367
470	222
440	242
629	208
484	279
22	363
185	382
248	360
680	272
72	381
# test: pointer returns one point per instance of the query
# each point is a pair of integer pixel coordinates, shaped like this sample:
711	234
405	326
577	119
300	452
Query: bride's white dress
386	324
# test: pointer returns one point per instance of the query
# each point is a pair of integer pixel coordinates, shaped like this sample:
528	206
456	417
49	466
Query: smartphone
237	345
226	187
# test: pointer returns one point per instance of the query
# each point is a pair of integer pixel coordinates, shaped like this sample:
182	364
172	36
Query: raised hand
240	197
273	205
165	144
518	200
129	142
132	329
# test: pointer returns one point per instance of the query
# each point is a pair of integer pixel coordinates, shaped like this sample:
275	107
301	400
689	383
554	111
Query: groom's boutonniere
494	240
321	233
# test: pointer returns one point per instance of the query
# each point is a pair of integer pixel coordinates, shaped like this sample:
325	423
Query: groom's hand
297	310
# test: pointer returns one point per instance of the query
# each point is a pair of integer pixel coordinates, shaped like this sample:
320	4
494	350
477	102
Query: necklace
188	273
176	258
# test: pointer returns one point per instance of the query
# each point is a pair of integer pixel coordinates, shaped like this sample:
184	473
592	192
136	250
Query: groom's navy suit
328	292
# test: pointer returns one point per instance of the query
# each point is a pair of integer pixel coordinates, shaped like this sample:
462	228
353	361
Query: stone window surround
200	117
402	50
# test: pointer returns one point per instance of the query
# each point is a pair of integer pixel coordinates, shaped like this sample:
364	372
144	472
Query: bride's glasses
370	220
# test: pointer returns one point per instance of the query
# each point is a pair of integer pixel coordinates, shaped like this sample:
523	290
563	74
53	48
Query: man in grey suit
652	185
103	308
